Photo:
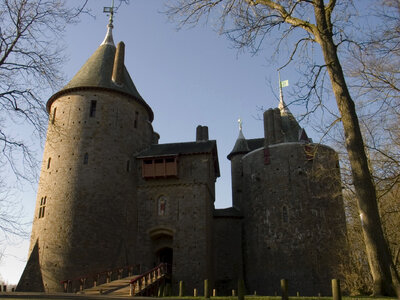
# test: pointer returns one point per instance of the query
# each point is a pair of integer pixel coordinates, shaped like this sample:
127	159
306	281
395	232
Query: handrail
148	278
96	276
163	268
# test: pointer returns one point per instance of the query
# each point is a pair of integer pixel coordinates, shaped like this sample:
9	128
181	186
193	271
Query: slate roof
240	146
187	148
96	73
230	212
179	148
243	146
255	143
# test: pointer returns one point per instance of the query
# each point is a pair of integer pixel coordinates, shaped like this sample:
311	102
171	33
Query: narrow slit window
42	207
86	158
285	217
53	119
48	163
93	105
135	124
128	165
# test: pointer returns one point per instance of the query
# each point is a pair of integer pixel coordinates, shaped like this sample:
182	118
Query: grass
252	297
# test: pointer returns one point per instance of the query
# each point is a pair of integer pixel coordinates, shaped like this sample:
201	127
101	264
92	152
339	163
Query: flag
284	83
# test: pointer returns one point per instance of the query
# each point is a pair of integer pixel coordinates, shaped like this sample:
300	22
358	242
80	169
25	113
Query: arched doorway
162	240
165	255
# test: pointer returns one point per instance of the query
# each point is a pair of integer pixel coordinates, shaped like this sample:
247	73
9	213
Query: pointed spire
241	136
241	146
282	105
290	127
105	70
108	40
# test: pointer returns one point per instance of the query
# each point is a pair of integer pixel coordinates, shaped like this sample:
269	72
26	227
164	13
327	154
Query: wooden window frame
160	167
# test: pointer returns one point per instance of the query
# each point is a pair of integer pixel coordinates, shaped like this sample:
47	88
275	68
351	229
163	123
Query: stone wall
89	186
237	180
228	257
294	219
185	226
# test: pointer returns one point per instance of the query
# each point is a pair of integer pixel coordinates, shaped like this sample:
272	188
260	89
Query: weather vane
110	10
240	124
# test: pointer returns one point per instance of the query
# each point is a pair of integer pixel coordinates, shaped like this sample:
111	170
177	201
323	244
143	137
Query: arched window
86	158
285	217
161	205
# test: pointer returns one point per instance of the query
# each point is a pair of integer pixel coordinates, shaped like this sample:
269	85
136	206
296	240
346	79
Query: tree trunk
385	277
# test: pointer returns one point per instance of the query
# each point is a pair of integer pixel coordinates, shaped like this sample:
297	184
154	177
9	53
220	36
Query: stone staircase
119	287
146	284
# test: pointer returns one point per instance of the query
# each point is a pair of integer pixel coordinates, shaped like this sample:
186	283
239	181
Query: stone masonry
111	196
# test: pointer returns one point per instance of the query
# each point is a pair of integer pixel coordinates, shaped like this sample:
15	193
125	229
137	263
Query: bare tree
383	155
30	63
30	58
10	217
247	23
375	80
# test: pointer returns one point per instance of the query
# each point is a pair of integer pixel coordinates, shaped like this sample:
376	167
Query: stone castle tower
110	196
289	192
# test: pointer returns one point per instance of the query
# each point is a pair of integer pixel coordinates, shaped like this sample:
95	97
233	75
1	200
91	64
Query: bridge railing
94	279
148	283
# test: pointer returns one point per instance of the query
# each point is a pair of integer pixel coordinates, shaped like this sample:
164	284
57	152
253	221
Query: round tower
241	148
294	222
85	217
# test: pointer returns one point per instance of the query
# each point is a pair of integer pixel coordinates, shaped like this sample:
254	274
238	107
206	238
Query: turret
241	148
82	226
291	202
280	126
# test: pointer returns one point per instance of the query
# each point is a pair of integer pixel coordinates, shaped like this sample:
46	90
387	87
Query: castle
110	195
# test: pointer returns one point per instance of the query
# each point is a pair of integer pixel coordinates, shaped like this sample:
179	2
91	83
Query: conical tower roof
97	73
241	146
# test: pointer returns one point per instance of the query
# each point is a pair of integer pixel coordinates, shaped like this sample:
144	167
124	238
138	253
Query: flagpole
280	88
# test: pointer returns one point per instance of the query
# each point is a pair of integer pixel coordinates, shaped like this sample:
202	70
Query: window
93	104
161	205
86	158
53	119
48	163
285	217
128	165
160	167
42	207
135	123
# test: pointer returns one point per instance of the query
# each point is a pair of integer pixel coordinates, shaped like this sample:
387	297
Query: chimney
118	69
201	133
278	126
156	138
205	133
269	133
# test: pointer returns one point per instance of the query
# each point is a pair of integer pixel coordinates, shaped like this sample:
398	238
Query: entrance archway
165	255
162	240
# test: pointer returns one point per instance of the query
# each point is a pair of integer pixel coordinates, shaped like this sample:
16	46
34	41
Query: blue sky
188	77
